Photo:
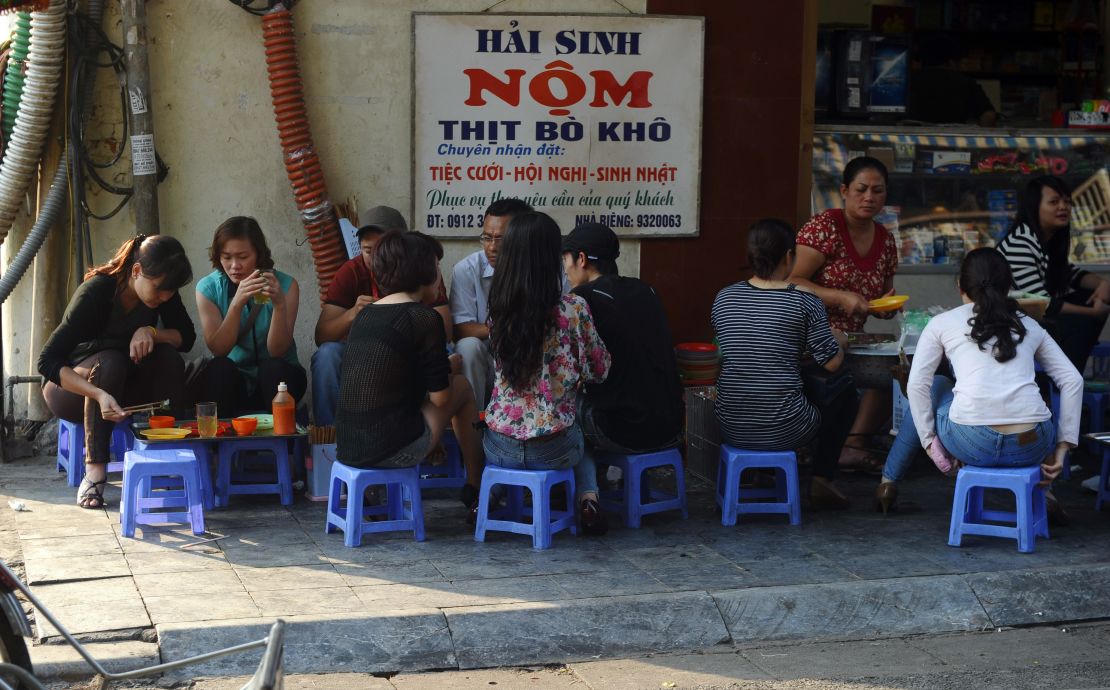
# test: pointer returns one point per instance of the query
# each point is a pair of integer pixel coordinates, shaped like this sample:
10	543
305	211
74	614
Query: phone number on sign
454	220
474	220
659	220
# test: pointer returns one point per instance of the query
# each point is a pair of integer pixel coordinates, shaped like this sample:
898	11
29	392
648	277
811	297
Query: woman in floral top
847	259
545	346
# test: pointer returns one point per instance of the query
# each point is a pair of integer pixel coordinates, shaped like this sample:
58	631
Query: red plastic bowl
696	347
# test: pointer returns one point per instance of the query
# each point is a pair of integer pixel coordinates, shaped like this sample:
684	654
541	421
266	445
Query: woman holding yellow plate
848	259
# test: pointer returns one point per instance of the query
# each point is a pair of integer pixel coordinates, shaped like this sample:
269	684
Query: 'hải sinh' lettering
567	41
597	42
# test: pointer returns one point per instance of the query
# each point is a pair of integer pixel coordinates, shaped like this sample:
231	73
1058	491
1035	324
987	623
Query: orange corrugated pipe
302	165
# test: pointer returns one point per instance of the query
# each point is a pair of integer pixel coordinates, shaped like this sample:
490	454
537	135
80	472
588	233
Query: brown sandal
90	494
869	463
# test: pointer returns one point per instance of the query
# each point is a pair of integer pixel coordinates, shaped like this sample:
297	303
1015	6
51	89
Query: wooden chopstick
146	407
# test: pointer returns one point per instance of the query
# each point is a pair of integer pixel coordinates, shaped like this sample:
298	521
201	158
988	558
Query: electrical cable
87	42
249	5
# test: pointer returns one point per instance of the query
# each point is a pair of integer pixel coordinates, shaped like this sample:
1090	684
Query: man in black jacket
639	407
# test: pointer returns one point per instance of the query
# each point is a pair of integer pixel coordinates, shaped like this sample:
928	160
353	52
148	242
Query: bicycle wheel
13	649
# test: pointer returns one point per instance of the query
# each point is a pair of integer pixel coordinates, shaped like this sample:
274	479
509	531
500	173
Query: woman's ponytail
120	263
985	278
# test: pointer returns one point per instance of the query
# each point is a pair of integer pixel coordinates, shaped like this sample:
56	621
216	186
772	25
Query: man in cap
639	407
470	286
352	288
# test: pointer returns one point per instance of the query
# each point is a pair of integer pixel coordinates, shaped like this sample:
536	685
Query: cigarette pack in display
944	162
1088	120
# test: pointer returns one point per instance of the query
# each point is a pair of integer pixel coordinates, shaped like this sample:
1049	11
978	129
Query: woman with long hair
247	313
119	344
763	325
544	346
992	415
1037	248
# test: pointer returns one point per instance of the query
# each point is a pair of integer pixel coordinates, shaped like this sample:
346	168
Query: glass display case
954	190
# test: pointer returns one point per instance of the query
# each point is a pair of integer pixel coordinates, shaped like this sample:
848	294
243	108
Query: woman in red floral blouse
848	259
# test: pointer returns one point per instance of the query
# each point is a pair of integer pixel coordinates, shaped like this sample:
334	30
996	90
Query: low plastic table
209	448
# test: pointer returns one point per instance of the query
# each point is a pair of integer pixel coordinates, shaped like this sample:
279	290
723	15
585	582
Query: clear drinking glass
261	297
206	419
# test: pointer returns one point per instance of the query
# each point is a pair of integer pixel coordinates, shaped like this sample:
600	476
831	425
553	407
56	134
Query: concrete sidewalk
395	605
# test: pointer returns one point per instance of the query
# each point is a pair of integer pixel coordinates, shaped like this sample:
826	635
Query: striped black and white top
1029	264
762	335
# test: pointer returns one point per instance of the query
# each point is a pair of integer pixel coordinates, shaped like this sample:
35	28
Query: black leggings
1077	334
158	376
225	385
836	423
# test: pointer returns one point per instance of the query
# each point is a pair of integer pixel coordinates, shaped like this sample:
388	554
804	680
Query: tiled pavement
395	604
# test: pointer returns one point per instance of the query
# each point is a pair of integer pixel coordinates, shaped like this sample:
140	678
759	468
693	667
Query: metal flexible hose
48	215
302	164
14	75
55	199
32	122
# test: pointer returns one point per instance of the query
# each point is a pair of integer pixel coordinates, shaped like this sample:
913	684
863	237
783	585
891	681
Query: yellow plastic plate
888	303
172	433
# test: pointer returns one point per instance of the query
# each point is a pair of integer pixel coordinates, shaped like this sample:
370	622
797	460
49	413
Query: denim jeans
544	453
976	445
325	382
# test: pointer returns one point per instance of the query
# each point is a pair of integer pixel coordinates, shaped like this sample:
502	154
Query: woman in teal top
247	314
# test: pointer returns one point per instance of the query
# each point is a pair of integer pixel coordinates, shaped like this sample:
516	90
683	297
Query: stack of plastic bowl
698	363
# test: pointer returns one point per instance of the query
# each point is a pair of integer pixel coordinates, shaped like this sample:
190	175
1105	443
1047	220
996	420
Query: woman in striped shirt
1037	249
764	325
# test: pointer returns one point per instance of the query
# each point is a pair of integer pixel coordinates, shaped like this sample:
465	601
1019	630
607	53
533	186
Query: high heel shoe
469	497
1057	517
886	494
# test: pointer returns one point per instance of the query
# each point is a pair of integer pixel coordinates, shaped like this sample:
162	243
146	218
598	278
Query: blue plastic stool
141	470
1095	402
403	508
636	498
71	449
1100	361
1104	480
202	451
451	474
731	498
283	486
545	520
968	514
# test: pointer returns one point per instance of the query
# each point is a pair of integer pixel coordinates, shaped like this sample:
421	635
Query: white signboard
587	118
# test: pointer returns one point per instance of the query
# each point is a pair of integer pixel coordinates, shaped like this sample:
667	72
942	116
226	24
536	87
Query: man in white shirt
470	286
